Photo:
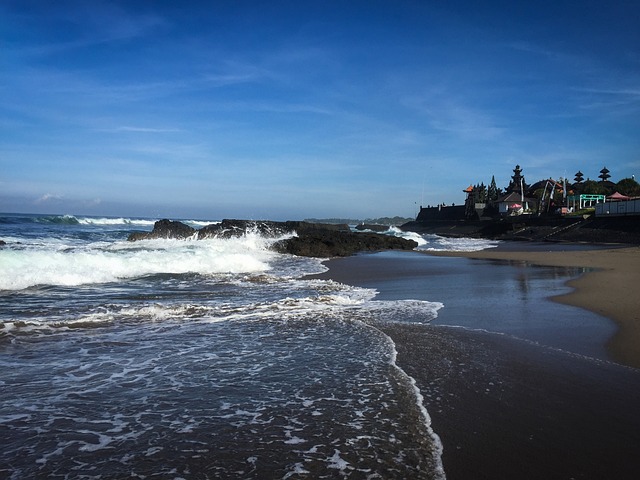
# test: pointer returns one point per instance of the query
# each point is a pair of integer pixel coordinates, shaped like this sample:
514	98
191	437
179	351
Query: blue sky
289	110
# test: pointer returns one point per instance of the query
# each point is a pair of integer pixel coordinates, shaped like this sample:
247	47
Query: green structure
584	201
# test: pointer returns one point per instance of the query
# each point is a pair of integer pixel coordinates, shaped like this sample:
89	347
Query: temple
545	202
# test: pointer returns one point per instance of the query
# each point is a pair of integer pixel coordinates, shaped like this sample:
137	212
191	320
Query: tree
591	187
628	187
492	191
480	193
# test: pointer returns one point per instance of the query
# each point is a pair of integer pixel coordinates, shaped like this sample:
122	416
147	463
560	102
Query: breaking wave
430	242
72	265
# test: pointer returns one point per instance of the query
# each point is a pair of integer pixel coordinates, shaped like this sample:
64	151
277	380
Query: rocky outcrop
2	243
327	243
231	228
165	229
312	240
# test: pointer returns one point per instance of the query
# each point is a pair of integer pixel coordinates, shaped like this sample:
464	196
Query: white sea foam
103	441
336	461
430	242
58	263
114	221
106	221
438	243
438	466
292	440
200	223
297	469
336	301
242	326
416	237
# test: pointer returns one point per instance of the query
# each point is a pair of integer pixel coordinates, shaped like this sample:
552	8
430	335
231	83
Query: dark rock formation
312	240
164	229
2	243
231	228
327	243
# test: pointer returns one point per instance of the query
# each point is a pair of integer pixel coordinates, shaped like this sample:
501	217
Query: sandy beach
509	408
611	288
505	409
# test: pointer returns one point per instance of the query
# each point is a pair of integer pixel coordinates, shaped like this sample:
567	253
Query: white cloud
452	116
142	129
93	203
612	99
48	198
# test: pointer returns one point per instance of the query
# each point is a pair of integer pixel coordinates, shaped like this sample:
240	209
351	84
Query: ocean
200	359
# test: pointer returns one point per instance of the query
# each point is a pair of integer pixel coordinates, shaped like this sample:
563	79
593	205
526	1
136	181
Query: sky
291	110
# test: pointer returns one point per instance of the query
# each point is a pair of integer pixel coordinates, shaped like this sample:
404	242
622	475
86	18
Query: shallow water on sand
504	297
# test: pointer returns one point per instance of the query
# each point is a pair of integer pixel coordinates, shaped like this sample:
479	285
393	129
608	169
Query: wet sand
508	410
611	289
505	408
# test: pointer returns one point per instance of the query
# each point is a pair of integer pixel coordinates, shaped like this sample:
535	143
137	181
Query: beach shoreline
606	287
507	408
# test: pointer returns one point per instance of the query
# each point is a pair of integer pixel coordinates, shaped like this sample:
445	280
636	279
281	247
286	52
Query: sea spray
72	265
215	356
432	242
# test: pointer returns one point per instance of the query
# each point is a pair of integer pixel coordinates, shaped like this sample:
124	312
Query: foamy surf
438	243
437	447
65	264
217	356
431	242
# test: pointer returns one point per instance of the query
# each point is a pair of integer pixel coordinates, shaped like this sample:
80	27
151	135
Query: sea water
430	242
196	359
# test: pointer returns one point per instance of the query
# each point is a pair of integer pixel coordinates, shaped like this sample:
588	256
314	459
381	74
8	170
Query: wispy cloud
616	95
48	198
222	69
86	87
446	114
528	47
612	101
94	202
628	92
278	107
93	23
464	122
132	129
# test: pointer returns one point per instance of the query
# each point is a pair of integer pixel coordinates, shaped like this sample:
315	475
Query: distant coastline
389	221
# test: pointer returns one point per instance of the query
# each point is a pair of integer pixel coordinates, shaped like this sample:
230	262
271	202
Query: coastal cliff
310	240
